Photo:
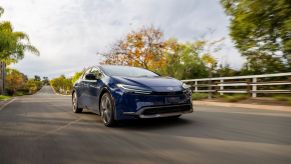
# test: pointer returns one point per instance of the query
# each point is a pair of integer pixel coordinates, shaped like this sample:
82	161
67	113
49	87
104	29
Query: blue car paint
89	93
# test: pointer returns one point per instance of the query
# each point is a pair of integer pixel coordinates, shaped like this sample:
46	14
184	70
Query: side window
96	72
85	73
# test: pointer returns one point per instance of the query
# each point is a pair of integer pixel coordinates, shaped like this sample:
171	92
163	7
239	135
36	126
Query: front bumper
162	111
132	106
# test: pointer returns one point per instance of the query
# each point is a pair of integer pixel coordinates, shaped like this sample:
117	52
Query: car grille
167	93
166	109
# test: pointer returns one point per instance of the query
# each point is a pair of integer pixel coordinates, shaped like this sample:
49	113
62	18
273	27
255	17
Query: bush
281	97
199	96
62	84
3	97
235	97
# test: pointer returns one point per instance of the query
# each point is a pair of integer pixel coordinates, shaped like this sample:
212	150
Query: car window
86	72
96	72
113	70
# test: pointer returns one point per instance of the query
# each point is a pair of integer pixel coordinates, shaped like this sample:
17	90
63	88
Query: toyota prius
123	93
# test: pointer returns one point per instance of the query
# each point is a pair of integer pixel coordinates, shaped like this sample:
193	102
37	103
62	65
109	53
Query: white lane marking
9	102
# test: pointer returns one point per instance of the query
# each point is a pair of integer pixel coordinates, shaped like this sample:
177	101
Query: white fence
252	84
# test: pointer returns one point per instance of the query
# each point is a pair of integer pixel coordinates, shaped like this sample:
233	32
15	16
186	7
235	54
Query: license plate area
171	100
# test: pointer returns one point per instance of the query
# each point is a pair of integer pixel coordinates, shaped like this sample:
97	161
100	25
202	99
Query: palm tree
13	45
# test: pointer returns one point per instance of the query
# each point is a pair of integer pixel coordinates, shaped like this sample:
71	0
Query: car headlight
185	86
133	89
187	89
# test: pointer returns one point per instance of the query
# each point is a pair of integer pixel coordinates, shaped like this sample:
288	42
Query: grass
3	97
199	96
285	98
235	97
281	97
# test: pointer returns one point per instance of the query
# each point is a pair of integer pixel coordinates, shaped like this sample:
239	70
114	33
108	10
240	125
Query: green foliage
183	61
224	71
15	80
13	44
76	76
62	84
199	96
45	81
32	86
18	84
261	29
282	97
4	97
235	97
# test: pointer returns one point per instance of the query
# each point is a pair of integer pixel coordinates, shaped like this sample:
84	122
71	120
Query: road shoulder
4	103
239	105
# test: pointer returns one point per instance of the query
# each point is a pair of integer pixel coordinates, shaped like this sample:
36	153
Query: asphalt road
42	129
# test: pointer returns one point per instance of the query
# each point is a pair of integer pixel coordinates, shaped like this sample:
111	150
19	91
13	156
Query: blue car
123	93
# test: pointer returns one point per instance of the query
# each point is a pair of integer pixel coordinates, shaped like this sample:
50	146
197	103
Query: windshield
127	71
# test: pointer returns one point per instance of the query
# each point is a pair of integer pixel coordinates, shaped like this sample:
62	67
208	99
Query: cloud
68	33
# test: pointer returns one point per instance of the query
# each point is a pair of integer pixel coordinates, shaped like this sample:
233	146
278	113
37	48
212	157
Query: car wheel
107	110
76	109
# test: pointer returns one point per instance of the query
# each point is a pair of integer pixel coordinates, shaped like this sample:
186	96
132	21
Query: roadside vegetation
199	96
13	46
18	84
64	85
4	97
284	98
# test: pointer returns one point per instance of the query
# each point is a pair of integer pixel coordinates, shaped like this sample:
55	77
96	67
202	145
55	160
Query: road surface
42	129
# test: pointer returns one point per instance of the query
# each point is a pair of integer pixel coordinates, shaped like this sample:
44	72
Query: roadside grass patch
281	98
235	97
199	96
3	97
284	98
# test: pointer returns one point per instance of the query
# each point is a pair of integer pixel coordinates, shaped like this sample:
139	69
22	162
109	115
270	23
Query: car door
94	89
78	86
84	91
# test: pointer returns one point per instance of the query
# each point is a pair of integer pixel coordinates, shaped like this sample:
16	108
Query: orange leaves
142	48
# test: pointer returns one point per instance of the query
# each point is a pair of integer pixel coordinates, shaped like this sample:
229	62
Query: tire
76	109
107	110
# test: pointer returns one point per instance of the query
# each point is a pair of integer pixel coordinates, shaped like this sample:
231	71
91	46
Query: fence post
221	88
196	86
254	88
209	89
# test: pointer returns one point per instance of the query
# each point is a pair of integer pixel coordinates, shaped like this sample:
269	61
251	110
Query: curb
5	103
248	106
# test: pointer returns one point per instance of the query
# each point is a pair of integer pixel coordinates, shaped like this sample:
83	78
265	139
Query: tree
76	76
45	80
62	84
182	60
13	44
32	86
224	71
261	27
142	48
15	81
37	78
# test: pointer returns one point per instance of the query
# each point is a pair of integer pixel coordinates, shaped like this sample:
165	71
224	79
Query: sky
69	33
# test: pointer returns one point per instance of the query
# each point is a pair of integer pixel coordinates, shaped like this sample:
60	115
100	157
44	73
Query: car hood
160	84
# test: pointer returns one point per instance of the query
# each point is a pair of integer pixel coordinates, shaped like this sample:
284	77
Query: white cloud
68	33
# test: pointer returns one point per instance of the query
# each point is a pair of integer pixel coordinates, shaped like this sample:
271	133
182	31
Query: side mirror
90	76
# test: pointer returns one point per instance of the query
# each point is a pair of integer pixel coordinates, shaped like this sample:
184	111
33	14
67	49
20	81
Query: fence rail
252	84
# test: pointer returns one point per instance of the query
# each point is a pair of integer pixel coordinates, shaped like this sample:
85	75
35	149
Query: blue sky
68	33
